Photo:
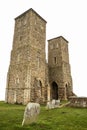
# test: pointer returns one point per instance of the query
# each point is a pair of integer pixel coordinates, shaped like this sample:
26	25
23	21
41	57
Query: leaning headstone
53	104
57	103
49	105
31	113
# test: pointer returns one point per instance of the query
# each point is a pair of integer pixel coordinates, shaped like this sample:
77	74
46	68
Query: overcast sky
64	17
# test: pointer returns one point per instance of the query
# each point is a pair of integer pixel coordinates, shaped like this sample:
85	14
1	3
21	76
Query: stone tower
26	75
59	68
29	77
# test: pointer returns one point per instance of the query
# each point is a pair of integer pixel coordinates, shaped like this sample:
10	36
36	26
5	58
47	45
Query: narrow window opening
40	87
55	60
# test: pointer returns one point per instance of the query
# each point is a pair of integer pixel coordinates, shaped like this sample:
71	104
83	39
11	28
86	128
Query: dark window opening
55	60
40	87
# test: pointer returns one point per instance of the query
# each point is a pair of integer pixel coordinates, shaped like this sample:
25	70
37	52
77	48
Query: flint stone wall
78	101
30	78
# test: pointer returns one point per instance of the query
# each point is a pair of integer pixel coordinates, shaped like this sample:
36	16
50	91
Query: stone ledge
78	101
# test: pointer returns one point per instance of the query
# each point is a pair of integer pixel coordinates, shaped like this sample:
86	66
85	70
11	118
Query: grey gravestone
31	113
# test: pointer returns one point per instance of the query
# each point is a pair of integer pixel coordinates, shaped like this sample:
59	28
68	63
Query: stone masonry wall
78	101
59	68
29	77
27	60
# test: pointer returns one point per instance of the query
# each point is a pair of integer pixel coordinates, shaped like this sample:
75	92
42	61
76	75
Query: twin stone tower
30	78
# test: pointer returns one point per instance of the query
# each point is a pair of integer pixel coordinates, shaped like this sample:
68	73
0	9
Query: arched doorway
54	91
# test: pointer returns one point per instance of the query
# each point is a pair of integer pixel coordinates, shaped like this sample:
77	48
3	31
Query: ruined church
30	78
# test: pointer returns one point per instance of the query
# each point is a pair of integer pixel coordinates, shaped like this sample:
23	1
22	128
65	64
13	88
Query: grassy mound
65	118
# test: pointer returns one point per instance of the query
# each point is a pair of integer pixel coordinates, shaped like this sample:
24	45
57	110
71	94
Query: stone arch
54	90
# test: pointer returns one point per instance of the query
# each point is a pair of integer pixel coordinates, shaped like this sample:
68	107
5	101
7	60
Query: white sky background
64	17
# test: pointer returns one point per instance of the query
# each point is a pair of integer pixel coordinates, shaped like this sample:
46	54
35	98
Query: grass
56	119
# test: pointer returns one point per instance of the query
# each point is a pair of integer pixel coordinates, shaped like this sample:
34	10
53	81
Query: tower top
60	37
30	10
